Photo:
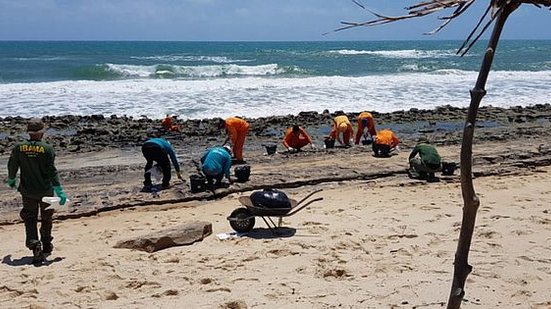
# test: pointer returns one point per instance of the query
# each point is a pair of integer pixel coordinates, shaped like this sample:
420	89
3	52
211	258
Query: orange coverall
370	126
296	141
341	124
169	125
237	129
387	137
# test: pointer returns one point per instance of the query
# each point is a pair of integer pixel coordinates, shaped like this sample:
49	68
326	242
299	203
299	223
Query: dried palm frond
432	6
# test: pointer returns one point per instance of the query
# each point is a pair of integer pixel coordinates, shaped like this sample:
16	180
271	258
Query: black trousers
154	153
29	214
217	179
381	150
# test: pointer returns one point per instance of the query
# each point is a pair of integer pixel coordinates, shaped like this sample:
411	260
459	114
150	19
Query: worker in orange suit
236	129
385	142
341	126
169	125
366	125
296	138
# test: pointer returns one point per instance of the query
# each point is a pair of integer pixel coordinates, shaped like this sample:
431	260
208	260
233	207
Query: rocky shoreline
81	134
101	166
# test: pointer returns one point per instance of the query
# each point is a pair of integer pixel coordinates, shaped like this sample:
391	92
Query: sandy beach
377	240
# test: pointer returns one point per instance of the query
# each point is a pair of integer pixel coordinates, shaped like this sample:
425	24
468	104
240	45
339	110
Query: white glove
313	146
291	149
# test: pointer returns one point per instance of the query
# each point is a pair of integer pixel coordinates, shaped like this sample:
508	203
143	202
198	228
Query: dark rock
184	234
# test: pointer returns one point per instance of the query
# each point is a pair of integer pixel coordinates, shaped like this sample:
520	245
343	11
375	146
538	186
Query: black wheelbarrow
242	219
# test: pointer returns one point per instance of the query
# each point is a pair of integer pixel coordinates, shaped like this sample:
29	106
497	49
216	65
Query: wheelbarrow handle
297	209
307	196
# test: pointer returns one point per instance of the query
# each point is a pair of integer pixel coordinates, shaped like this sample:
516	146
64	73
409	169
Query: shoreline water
203	80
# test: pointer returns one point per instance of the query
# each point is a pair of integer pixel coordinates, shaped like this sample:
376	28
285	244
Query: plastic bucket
197	183
54	203
156	172
367	142
270	149
448	168
329	143
242	173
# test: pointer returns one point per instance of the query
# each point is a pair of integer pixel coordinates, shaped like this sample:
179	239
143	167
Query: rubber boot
47	246
38	255
31	232
46	231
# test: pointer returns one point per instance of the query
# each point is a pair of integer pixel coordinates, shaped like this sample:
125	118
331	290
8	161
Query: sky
239	20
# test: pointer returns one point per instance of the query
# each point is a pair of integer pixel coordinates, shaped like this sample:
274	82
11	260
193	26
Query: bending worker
168	124
366	125
296	138
38	178
385	142
341	125
215	164
237	130
158	150
428	162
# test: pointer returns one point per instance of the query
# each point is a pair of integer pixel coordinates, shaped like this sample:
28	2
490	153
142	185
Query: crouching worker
38	178
341	126
296	138
385	143
159	150
366	126
426	164
168	124
215	164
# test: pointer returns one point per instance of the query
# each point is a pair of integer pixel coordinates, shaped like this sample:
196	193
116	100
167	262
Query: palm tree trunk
470	200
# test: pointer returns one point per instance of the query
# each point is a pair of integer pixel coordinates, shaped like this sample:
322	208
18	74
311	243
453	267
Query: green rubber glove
11	182
59	192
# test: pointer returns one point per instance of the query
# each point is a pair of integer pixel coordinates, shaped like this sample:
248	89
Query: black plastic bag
270	198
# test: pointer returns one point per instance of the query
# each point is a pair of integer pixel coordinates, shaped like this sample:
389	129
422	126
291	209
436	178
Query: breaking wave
126	71
406	53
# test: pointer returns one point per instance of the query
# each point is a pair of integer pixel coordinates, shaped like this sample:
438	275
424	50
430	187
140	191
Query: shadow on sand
265	233
28	260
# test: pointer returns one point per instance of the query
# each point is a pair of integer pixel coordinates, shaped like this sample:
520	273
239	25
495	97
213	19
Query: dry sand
384	243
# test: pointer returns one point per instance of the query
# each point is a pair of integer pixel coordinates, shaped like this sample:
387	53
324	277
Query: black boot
47	246
46	230
31	232
38	255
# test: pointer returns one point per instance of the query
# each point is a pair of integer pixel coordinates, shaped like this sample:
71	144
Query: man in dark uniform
38	178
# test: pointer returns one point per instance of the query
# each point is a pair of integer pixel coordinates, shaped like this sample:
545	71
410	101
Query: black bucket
270	149
329	143
368	141
197	183
242	173
448	168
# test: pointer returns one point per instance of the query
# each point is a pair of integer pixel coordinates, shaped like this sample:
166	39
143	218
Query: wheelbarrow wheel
243	220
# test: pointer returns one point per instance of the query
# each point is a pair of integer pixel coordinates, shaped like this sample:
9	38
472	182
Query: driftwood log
497	12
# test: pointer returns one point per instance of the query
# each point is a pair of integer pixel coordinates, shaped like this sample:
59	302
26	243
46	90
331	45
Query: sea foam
151	71
255	96
406	53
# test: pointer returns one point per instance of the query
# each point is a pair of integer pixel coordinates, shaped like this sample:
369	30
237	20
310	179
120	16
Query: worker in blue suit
216	163
159	150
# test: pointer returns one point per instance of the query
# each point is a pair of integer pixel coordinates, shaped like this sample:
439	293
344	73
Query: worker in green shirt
427	163
38	178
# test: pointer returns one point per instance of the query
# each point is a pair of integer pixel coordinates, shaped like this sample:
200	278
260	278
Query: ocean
253	79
